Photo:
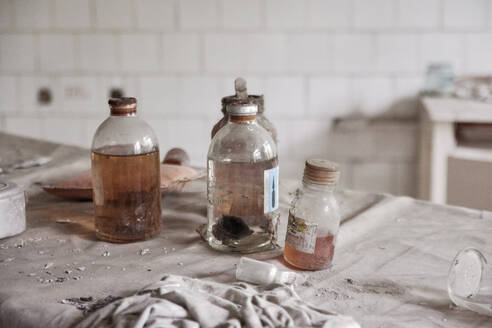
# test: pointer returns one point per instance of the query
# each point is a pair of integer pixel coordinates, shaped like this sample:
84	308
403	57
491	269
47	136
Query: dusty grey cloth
178	301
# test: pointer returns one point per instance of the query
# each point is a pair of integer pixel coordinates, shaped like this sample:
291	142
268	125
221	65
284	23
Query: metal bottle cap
321	171
242	109
123	106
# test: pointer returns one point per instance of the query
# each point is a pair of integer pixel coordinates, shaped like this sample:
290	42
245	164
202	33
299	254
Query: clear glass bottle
242	184
242	95
314	218
126	176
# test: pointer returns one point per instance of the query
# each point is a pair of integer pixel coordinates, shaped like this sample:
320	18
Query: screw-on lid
123	106
321	171
242	109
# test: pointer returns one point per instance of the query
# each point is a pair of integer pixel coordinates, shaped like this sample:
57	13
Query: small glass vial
126	176
314	218
242	184
242	95
263	273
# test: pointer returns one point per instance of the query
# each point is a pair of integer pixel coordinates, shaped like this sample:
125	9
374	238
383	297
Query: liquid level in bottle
320	259
236	207
127	196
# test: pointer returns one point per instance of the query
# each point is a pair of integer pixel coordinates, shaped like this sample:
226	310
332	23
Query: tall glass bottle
126	176
242	95
314	218
242	184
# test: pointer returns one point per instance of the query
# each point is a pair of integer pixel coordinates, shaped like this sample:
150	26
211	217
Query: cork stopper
321	171
123	106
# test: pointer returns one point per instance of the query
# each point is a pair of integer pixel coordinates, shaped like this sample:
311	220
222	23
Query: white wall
314	60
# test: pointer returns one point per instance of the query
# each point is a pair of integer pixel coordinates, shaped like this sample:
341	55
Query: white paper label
270	194
301	235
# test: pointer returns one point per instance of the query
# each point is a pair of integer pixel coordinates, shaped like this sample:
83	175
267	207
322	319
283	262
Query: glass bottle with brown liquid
314	218
242	184
126	176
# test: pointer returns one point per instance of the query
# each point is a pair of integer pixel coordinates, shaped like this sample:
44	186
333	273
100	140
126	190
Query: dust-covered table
390	266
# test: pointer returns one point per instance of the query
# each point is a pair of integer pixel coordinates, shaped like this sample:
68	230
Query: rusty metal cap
123	106
242	109
321	171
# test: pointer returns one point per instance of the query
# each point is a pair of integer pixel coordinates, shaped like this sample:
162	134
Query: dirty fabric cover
178	301
391	259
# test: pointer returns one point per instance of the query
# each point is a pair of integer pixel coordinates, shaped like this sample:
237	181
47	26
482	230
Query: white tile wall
57	52
315	60
72	14
332	14
32	14
181	52
139	52
17	52
465	14
241	15
156	14
410	14
98	52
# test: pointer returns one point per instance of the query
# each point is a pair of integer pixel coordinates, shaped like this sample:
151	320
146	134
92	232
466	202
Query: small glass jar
126	176
314	218
242	184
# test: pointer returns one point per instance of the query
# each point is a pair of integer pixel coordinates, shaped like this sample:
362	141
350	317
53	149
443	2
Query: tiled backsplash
314	60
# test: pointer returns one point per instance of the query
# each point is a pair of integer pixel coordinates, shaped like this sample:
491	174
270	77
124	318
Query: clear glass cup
470	281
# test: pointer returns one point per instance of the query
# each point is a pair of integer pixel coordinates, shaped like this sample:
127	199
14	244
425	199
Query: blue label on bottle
270	190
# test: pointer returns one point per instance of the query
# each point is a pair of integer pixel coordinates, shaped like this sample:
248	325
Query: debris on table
88	303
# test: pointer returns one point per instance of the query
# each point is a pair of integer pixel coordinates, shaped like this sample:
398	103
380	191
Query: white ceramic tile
329	97
129	85
285	14
98	52
57	52
309	52
418	14
478	54
198	14
32	14
78	95
443	47
6	14
181	52
115	14
372	95
465	14
333	14
374	14
27	127
29	87
353	52
200	97
159	97
72	14
239	14
8	94
17	52
140	52
155	14
270	52
397	53
224	52
285	97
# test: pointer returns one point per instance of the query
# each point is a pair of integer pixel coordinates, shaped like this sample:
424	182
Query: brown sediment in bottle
123	106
